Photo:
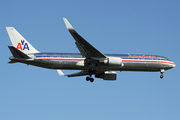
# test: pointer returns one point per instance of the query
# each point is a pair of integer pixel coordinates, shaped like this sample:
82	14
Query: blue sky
135	27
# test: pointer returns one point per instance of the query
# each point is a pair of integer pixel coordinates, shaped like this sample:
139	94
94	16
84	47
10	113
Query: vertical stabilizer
19	42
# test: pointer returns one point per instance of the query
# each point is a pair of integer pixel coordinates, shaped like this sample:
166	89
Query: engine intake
113	61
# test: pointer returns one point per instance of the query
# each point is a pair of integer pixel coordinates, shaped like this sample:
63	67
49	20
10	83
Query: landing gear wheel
91	79
87	78
162	72
161	76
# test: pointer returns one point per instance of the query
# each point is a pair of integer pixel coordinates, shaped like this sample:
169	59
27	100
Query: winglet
60	73
68	25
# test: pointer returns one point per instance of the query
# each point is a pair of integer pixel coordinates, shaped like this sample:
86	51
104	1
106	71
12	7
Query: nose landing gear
161	76
162	72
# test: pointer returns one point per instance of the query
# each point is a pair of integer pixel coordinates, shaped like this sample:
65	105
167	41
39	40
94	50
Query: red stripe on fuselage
124	60
68	59
149	61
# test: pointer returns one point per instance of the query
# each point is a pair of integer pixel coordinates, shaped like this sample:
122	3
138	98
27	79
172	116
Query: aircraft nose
173	65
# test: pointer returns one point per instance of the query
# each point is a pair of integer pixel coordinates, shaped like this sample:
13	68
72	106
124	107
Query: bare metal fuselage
90	60
74	61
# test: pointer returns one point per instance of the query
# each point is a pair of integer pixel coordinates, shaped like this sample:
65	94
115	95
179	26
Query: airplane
89	61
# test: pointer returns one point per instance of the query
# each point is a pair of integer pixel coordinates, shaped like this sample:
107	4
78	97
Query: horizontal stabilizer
12	62
60	73
17	53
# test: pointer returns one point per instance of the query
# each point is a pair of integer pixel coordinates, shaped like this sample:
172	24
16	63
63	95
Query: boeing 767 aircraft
89	61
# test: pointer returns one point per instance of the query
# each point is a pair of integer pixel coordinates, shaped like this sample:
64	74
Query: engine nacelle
113	61
108	75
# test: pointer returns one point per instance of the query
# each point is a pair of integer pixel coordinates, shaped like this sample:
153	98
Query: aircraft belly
132	67
58	64
65	64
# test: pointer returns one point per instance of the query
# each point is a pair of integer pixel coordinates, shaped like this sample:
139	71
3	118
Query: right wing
85	48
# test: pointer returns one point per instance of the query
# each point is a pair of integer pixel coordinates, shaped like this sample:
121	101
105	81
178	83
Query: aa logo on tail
22	45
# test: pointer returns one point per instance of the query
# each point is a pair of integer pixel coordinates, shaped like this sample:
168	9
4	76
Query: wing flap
82	51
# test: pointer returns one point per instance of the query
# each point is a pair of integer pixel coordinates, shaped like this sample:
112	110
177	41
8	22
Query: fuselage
89	61
75	61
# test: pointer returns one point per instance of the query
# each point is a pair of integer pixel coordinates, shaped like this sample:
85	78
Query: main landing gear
91	71
162	72
90	79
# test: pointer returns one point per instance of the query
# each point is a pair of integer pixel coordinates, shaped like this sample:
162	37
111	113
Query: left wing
81	73
106	75
86	49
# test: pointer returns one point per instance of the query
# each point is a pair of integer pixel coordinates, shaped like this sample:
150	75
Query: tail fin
19	42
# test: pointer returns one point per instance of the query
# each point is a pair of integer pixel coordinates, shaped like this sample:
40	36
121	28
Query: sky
112	26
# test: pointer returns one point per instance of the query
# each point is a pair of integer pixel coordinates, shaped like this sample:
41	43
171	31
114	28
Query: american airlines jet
89	61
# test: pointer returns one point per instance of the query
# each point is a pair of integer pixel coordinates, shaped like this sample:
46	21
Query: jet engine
108	75
113	61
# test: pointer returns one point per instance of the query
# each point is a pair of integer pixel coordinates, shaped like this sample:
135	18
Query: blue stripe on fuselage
78	55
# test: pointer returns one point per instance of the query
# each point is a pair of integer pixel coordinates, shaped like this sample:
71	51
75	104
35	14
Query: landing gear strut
161	76
162	72
92	71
